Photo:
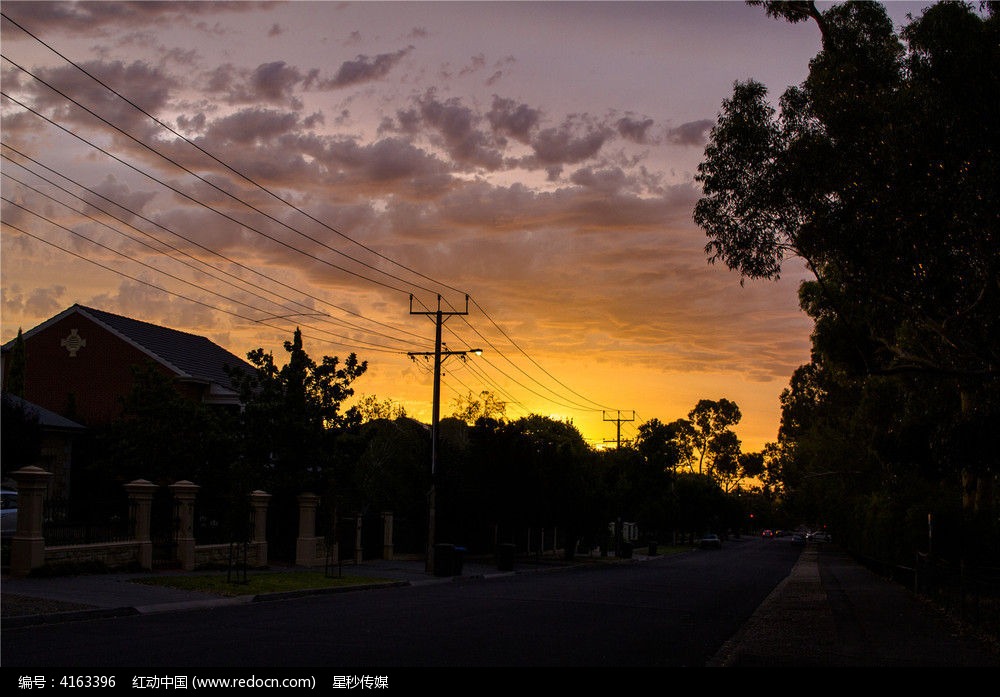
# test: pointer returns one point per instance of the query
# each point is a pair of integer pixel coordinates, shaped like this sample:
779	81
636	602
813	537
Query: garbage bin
444	559
652	548
456	562
505	557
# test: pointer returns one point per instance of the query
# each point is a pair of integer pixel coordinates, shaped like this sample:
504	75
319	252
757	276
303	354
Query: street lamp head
478	352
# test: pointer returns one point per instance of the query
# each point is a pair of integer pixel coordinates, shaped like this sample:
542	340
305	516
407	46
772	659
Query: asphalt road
756	603
669	611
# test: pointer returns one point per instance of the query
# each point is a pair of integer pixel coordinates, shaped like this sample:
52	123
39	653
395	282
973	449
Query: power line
224	164
517	346
219	189
372	346
571	406
200	246
200	203
267	191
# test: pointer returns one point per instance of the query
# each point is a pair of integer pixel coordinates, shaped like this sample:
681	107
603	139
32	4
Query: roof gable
188	356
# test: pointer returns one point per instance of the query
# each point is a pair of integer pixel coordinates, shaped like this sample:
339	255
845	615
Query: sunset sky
539	157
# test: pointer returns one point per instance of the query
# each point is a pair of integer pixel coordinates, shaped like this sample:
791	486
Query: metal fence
969	592
64	525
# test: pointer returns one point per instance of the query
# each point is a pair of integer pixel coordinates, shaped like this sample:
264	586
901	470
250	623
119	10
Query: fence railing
62	526
969	592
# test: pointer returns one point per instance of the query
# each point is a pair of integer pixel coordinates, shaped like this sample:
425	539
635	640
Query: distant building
55	439
79	364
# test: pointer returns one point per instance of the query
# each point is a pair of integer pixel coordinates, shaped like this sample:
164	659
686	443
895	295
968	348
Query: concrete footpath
829	612
833	612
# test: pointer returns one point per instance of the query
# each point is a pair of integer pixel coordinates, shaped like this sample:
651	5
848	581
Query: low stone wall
113	555
28	550
311	552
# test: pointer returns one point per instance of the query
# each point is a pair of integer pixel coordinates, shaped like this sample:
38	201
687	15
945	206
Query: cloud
44	301
146	86
277	82
690	133
365	69
253	125
565	145
274	81
457	127
514	120
124	195
607	181
40	301
633	129
93	17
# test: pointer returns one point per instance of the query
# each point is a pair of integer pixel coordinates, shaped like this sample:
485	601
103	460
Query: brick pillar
184	494
305	545
258	502
140	498
27	547
387	534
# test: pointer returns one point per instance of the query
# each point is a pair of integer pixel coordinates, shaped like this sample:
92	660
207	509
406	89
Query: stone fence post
27	547
140	497
387	534
358	548
184	493
305	545
258	502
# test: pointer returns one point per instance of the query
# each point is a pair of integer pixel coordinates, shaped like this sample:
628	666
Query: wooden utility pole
440	317
619	422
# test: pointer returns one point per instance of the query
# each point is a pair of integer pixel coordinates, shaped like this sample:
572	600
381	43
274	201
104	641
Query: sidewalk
832	612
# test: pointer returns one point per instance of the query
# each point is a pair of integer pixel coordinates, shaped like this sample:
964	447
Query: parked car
8	512
710	541
767	533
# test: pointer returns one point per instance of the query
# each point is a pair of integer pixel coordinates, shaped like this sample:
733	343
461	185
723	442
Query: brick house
78	364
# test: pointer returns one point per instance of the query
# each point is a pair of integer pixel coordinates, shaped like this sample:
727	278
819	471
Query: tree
292	413
371	408
710	420
878	172
164	437
17	362
726	451
701	504
660	445
549	475
392	474
752	465
488	406
21	440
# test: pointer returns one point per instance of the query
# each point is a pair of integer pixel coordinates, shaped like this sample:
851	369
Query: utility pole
618	421
440	317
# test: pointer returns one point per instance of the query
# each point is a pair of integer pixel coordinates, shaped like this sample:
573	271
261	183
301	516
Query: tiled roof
191	355
46	418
